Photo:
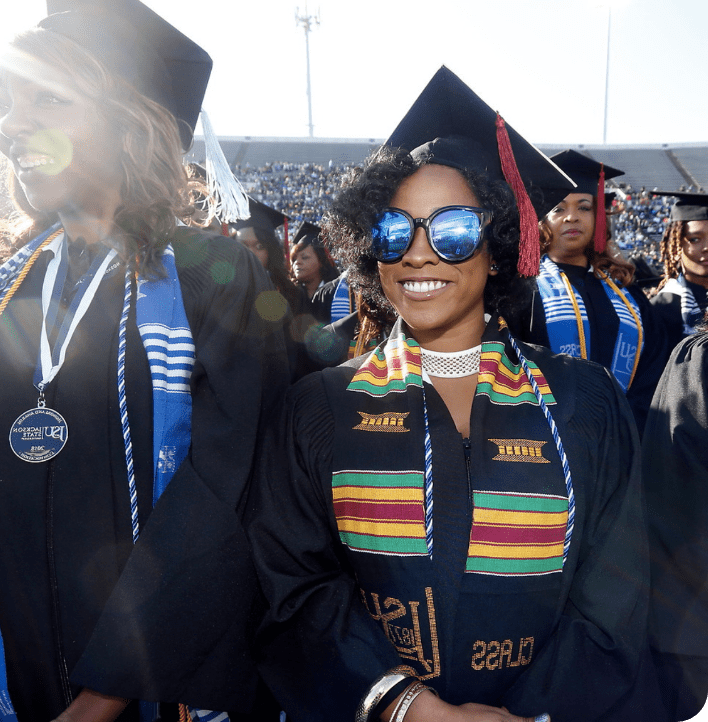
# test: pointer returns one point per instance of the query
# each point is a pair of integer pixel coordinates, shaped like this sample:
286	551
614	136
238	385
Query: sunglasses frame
415	223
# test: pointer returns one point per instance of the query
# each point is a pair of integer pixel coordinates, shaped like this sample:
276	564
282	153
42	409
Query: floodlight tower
307	22
607	71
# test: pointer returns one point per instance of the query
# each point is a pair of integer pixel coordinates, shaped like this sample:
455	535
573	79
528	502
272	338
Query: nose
570	215
420	251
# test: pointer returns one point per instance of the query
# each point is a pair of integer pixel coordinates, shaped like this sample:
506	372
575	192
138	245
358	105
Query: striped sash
569	329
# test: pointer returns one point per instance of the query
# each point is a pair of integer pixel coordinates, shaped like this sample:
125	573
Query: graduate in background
136	372
676	480
682	299
585	305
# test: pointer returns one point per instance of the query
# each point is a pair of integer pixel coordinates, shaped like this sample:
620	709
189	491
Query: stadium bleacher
664	166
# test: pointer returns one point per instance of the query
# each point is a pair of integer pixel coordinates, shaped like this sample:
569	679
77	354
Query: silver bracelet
379	689
402	698
410	696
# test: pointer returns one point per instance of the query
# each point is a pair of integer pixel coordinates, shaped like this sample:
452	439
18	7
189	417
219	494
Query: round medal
38	435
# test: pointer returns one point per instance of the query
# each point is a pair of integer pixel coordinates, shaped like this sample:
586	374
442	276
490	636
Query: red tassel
286	244
530	242
225	229
600	216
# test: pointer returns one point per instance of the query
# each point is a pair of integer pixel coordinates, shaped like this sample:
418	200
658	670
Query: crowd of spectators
302	191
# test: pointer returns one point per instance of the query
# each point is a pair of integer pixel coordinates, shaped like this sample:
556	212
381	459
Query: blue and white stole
569	329
691	314
341	305
167	338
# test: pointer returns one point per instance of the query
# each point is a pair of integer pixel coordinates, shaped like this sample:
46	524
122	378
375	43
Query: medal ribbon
50	362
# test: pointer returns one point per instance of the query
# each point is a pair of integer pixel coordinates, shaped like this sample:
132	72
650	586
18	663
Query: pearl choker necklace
453	365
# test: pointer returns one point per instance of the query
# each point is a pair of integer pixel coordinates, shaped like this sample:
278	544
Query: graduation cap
590	175
268	219
584	171
262	216
450	125
688	206
136	44
308	232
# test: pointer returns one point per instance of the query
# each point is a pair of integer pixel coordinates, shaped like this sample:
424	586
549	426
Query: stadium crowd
303	192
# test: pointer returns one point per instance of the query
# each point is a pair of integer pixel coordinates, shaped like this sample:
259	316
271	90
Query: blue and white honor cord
428	481
123	406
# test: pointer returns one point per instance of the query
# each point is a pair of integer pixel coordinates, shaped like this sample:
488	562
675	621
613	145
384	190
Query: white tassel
226	190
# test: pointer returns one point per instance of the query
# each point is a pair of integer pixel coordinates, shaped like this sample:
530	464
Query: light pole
307	22
607	71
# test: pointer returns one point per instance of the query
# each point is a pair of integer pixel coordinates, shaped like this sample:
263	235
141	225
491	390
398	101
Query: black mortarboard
583	170
136	44
307	232
262	216
453	126
688	206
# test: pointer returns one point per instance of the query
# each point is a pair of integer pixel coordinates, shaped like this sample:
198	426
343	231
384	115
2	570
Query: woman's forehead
18	68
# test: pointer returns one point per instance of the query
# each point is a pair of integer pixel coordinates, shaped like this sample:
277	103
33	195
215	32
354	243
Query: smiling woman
133	357
455	513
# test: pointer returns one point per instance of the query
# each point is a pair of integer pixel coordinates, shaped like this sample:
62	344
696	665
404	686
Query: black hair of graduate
368	190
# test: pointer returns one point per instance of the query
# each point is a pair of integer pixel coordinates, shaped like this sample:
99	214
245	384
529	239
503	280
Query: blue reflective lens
390	236
456	234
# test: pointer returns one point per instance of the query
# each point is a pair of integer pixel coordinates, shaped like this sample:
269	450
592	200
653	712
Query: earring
494	267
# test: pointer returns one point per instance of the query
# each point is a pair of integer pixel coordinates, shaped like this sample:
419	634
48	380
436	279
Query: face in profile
572	225
248	237
64	152
694	252
442	303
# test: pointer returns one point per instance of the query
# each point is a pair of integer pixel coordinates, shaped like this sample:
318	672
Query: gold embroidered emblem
390	422
520	450
404	625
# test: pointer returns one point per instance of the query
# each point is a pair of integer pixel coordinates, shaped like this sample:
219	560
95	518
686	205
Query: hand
428	708
92	706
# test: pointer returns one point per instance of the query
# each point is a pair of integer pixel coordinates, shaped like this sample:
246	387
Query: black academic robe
170	618
675	453
571	643
604	325
667	307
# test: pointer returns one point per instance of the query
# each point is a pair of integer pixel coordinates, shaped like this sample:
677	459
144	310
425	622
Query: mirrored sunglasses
454	233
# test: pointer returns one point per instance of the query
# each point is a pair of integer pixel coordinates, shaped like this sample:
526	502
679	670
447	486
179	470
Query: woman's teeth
423	286
32	161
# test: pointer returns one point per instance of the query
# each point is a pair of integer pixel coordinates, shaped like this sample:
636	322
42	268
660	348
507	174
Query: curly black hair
367	190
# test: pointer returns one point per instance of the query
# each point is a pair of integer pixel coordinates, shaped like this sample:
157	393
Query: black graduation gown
604	325
675	454
168	619
667	307
571	643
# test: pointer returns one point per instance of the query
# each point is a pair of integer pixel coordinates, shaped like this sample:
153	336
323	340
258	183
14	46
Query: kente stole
384	471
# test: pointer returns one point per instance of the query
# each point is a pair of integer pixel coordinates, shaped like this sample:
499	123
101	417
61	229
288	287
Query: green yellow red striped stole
505	382
380	511
516	534
392	367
